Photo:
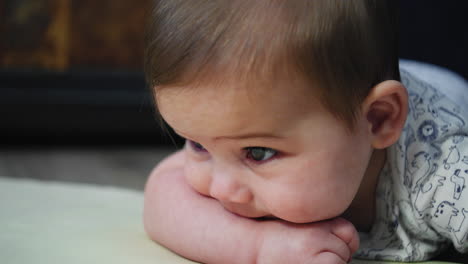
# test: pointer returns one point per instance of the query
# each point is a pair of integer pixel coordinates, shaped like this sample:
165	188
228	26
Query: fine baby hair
342	48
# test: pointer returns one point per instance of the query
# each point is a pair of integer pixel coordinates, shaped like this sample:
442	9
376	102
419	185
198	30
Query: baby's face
267	151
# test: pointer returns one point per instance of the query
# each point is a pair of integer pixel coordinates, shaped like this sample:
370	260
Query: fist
326	242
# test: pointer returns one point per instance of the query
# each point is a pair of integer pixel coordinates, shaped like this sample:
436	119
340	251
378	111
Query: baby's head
282	102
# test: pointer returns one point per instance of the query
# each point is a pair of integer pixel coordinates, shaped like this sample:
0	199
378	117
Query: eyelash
197	147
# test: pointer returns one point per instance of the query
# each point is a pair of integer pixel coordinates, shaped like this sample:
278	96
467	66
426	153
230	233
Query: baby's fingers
333	248
346	232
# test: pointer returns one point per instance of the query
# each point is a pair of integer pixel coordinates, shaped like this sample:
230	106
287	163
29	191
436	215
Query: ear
385	109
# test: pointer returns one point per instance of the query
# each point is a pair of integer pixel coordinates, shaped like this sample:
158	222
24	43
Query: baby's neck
361	212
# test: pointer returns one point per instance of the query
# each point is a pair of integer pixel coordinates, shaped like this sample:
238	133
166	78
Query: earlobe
385	109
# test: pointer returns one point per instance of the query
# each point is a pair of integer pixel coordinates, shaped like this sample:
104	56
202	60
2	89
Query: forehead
224	109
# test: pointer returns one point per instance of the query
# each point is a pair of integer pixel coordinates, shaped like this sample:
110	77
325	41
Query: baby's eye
196	146
260	153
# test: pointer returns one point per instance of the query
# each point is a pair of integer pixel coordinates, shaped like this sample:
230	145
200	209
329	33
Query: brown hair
348	46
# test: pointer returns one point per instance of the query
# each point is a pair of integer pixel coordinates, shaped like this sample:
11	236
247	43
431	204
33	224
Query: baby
299	133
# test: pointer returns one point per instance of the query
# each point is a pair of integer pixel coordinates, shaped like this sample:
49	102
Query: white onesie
422	196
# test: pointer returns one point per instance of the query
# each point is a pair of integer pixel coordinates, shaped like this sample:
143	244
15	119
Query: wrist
268	233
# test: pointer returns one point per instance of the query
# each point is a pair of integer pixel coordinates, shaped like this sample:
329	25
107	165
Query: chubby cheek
197	175
289	209
313	194
306	208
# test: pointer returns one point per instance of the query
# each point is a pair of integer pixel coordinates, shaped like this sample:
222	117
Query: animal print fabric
422	199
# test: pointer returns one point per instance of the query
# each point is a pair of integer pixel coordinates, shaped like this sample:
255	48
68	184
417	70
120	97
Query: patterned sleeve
436	165
443	195
422	196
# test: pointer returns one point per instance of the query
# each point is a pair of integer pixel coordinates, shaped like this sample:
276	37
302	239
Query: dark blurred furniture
71	73
112	105
76	107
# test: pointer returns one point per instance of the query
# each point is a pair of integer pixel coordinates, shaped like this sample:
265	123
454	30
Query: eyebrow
243	136
251	135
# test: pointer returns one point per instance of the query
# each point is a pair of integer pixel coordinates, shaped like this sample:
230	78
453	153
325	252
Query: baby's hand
328	242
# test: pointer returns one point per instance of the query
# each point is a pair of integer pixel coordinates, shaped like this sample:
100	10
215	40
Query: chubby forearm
195	226
199	228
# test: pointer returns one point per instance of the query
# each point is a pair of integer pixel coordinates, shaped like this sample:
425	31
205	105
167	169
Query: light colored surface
44	222
48	222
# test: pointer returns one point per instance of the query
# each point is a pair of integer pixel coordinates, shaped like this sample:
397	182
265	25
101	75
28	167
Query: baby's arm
199	228
190	224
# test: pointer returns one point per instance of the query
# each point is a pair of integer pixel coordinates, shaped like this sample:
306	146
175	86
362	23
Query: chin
304	218
244	211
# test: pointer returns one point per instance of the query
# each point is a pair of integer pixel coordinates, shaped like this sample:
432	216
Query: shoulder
430	160
438	109
420	76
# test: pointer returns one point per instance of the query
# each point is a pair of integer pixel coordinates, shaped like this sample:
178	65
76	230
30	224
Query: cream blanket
52	222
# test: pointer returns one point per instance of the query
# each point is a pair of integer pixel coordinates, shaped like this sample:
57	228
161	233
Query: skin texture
308	168
179	218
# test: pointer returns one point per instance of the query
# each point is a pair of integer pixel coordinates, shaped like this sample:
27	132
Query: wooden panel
62	34
34	33
107	33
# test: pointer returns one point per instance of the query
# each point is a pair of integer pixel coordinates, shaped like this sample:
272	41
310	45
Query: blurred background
73	101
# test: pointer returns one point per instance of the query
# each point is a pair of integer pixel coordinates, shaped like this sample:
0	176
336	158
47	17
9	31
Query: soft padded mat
51	222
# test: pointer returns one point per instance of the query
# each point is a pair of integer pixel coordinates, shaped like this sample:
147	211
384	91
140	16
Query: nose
224	187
